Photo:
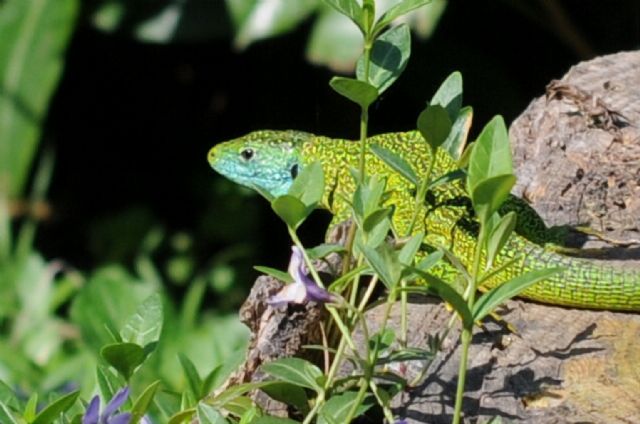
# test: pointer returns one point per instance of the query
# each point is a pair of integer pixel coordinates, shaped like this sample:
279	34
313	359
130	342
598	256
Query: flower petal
124	418
116	402
291	293
91	414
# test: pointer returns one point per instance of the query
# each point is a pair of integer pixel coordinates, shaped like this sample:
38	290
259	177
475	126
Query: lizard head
270	160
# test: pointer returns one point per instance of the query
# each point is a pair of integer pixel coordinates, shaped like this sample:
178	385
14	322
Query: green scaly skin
272	159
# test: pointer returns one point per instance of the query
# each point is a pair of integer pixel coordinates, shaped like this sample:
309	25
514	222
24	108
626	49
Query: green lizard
271	160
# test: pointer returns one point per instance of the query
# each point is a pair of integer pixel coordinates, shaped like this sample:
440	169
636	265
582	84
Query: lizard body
272	160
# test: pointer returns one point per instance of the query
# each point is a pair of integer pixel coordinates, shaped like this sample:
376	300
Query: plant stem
422	192
462	373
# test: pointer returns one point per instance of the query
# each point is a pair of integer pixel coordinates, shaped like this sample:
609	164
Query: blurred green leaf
29	412
52	411
267	19
402	8
355	90
124	357
144	326
491	154
334	41
33	37
209	415
142	404
194	382
499	294
109	297
295	371
389	56
434	125
337	408
351	9
7	396
7	415
384	260
449	95
274	420
430	260
108	382
499	236
396	162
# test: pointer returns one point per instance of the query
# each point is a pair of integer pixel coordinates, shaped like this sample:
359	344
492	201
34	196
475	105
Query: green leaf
182	416
238	406
323	250
449	95
434	125
291	210
29	413
489	194
499	236
491	155
7	415
124	357
499	294
382	340
289	394
250	416
209	415
384	261
334	41
33	37
396	162
457	139
336	409
409	250
142	403
374	219
308	186
402	8
107	382
349	8
193	378
446	293
7	396
388	58
275	273
52	411
145	325
431	259
295	371
450	176
357	91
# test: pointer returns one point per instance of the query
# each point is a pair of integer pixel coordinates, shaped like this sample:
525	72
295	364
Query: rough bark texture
578	161
577	150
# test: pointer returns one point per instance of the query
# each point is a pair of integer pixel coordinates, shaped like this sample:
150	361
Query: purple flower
303	289
109	416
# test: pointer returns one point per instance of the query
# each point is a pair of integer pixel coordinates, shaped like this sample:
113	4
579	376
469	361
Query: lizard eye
247	154
294	171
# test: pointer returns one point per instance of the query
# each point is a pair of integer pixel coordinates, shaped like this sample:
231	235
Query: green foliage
33	36
434	125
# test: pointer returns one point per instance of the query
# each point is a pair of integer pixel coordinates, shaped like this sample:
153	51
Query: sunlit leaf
446	293
499	236
145	325
355	90
209	415
336	409
308	186
291	210
499	294
396	162
434	125
142	404
389	56
491	154
449	95
276	273
457	139
409	250
295	371
489	194
349	8
323	250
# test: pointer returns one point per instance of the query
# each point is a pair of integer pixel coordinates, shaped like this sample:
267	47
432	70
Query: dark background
131	123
